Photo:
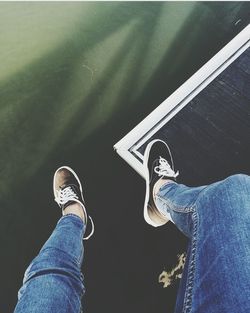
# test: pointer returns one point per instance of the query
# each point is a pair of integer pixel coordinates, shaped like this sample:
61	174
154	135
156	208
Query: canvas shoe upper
158	163
68	190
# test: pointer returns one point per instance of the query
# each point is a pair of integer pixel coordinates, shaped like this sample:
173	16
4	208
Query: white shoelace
164	169
68	194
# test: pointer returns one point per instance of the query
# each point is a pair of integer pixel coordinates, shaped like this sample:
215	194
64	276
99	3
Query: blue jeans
216	219
216	278
53	282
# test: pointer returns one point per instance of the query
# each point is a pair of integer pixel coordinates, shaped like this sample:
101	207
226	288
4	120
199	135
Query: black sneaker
158	163
68	190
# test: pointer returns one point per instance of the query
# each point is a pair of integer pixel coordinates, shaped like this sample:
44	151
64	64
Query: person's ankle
76	209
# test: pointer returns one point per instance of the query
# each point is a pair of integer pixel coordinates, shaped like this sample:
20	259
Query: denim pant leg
53	281
216	218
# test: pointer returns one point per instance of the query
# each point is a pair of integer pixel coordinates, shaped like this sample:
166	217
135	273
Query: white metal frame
128	145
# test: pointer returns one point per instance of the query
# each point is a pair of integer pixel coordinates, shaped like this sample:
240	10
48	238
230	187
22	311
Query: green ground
75	78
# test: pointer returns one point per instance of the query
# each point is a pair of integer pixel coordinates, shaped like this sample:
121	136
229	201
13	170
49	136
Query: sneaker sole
147	178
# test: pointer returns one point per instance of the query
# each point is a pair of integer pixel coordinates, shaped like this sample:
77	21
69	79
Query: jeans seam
187	304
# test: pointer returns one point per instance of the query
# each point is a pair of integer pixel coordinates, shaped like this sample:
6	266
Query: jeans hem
72	215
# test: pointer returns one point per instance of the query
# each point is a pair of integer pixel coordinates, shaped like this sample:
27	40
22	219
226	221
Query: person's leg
216	219
53	282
